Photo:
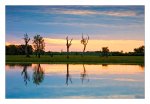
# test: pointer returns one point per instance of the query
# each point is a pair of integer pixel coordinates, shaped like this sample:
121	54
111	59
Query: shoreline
76	60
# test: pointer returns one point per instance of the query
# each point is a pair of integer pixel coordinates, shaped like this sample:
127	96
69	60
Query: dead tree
68	45
26	39
84	41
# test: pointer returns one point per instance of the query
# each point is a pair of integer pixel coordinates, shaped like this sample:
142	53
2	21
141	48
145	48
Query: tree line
38	46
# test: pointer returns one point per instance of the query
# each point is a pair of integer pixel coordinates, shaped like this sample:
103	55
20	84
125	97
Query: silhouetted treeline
95	53
18	49
105	52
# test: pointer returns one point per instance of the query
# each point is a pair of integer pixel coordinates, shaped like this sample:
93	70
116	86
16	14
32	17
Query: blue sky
99	22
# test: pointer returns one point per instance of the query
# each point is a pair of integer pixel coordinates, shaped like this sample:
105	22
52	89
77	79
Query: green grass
75	59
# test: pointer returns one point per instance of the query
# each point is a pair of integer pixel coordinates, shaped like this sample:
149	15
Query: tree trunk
38	53
67	52
84	48
26	50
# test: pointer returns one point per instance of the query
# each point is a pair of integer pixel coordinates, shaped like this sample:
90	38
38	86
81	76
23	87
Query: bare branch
70	41
84	41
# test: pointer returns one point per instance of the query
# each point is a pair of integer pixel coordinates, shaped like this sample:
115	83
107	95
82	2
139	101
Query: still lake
75	81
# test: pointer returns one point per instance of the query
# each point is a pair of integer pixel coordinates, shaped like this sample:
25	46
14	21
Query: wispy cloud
84	11
93	12
94	25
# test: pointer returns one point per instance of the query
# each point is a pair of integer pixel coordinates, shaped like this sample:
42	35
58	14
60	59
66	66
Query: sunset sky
118	27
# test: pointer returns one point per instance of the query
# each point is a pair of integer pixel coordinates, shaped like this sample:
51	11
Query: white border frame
3	3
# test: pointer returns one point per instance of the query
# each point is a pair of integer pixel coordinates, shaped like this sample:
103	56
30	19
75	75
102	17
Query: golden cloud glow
7	43
12	43
93	45
54	41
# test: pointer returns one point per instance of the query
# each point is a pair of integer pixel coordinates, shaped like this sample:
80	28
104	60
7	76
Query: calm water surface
74	81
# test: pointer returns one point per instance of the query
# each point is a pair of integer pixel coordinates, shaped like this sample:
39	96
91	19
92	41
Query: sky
117	27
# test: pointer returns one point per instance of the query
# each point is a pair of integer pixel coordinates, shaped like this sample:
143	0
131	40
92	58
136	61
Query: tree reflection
104	65
25	74
84	75
68	77
141	67
38	74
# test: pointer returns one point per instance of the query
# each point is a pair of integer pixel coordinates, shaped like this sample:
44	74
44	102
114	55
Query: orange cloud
93	45
11	43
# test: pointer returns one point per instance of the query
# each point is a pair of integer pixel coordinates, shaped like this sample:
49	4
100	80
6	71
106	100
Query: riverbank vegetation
75	59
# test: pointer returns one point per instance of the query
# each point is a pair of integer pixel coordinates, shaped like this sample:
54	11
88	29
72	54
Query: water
74	81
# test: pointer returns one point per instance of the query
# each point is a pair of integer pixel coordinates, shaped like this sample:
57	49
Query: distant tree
84	41
38	44
141	50
18	49
26	40
68	44
21	49
50	53
105	51
11	50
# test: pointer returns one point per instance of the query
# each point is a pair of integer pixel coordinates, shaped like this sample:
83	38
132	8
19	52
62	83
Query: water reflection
104	65
68	77
84	75
142	66
38	74
39	71
25	74
74	80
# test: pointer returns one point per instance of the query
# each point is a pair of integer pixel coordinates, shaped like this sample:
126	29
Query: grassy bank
75	59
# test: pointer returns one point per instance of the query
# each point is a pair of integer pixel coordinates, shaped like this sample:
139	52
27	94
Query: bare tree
68	45
84	41
26	39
